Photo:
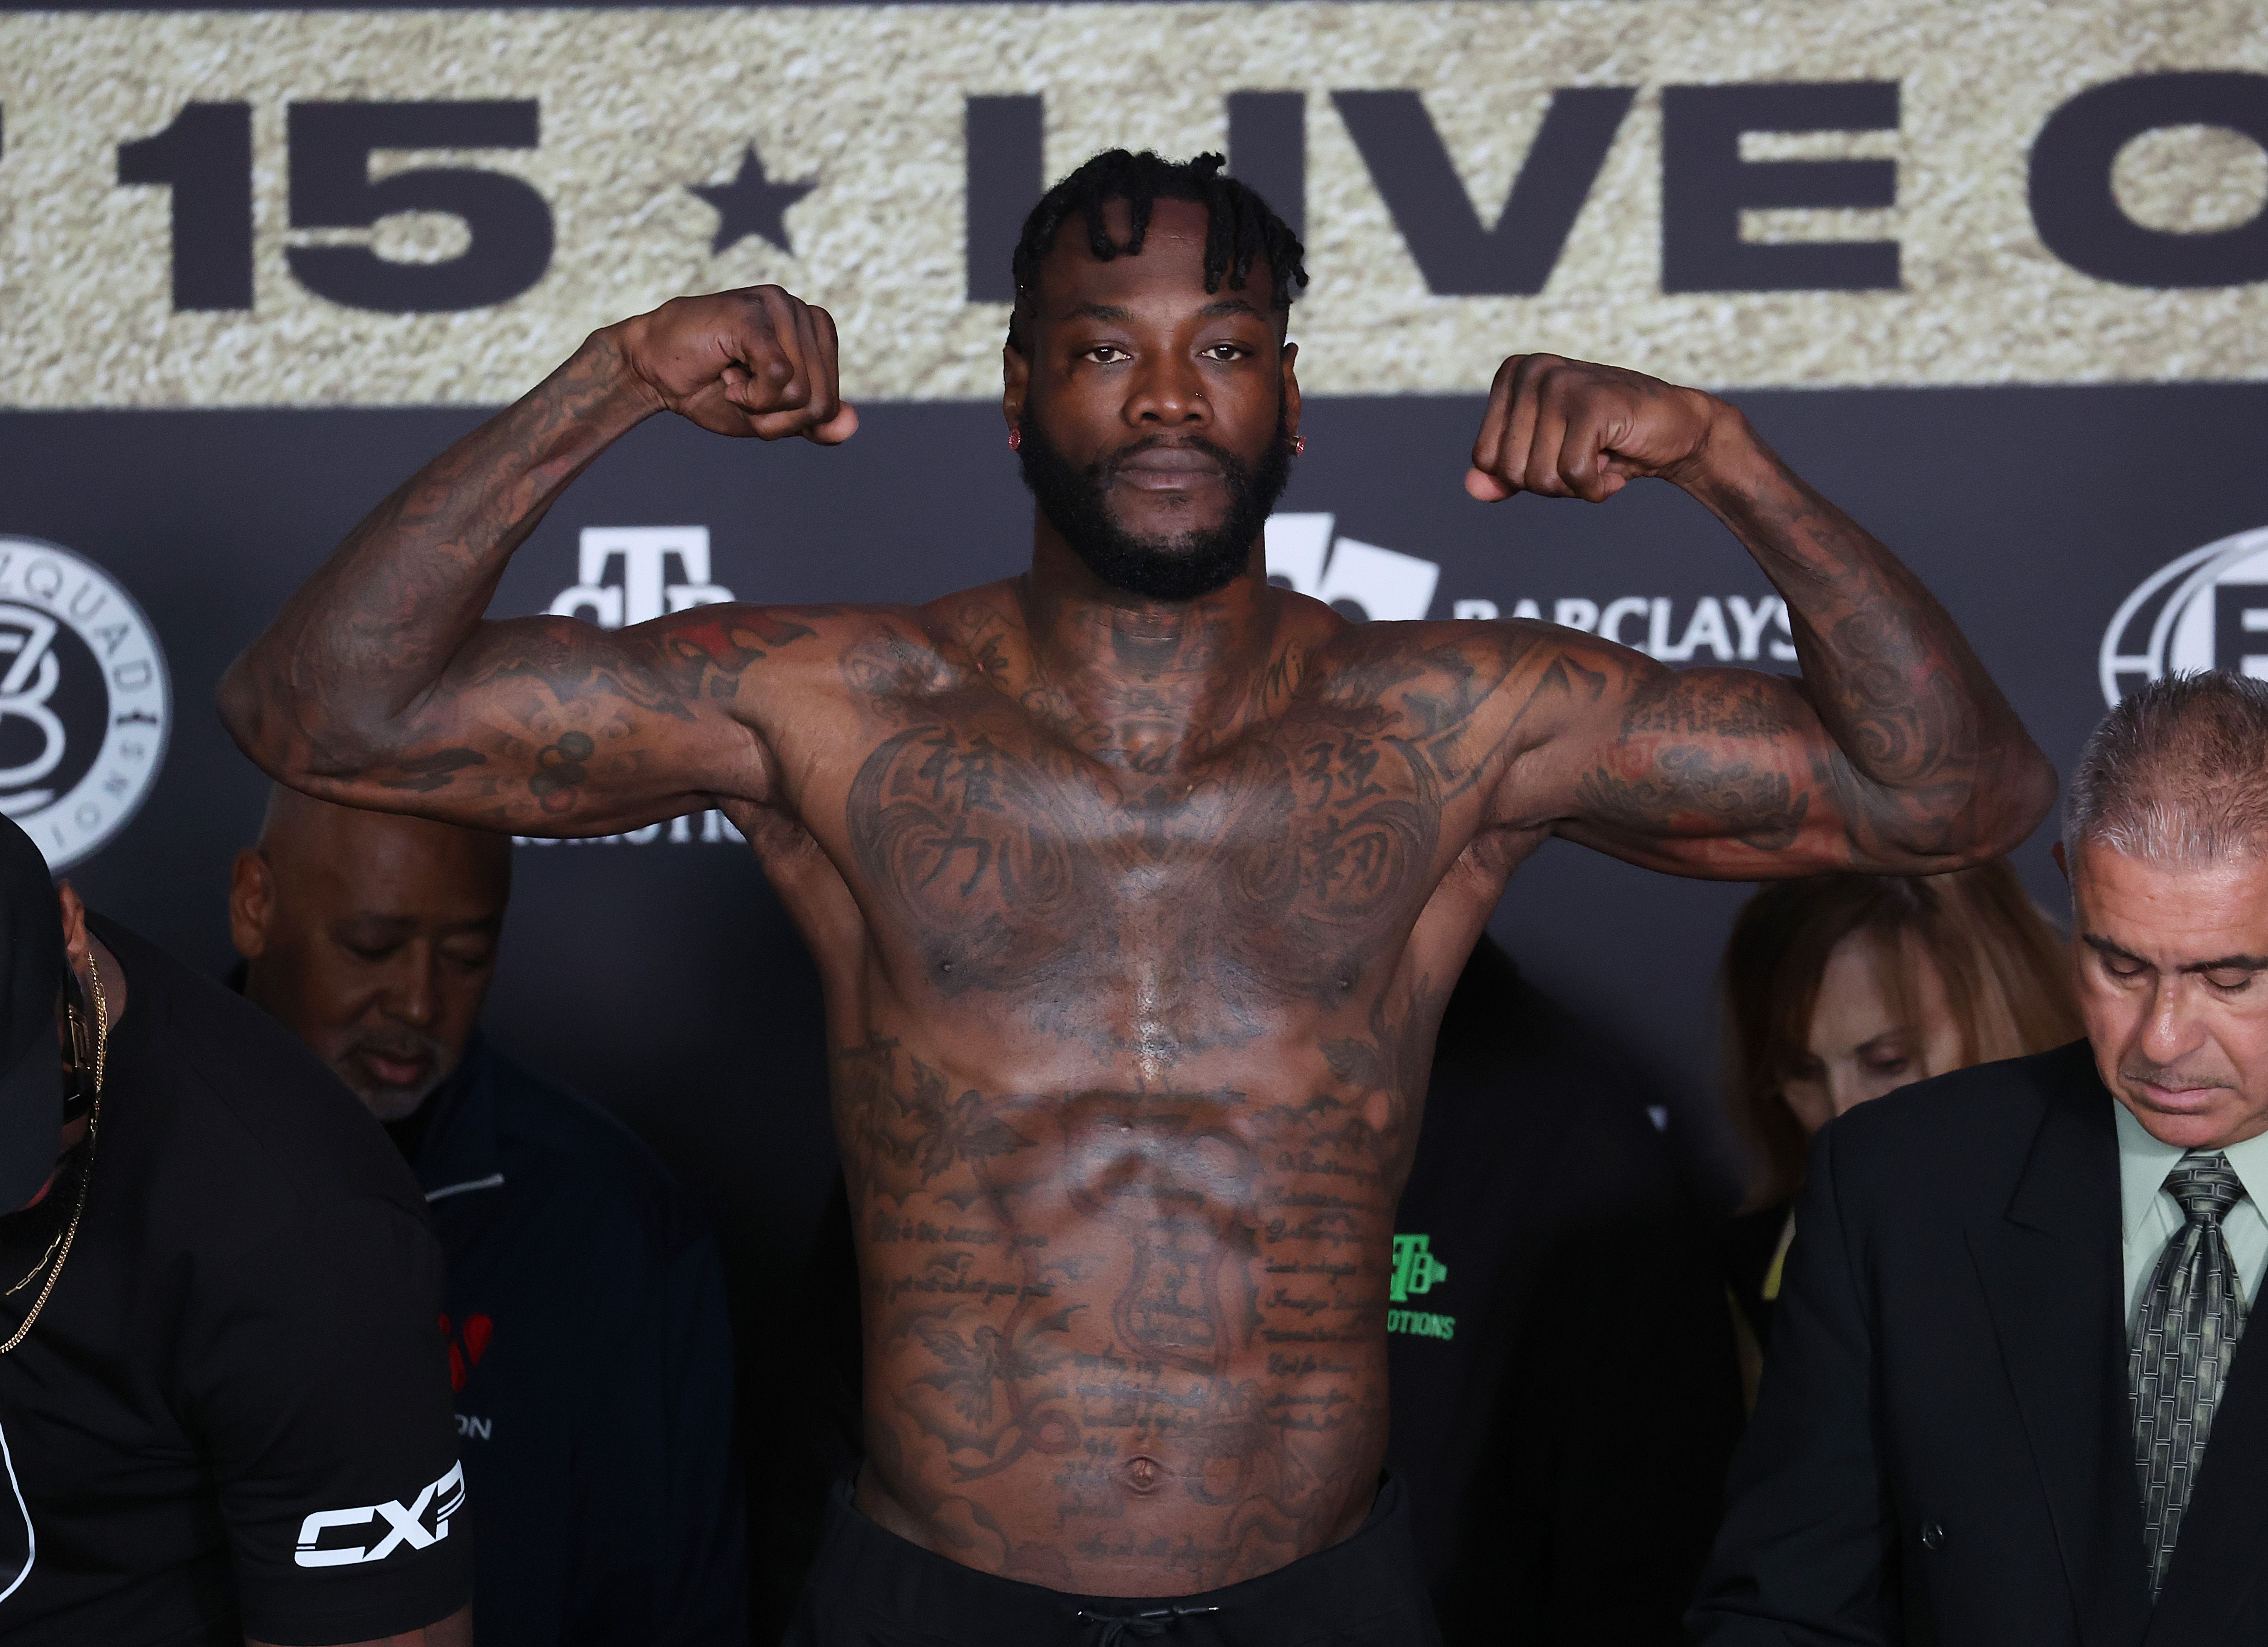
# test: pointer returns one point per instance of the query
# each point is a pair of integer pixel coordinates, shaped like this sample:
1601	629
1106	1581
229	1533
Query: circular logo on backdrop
2207	610
84	704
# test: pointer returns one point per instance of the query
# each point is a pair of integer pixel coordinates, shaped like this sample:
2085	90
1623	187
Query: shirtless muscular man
1137	883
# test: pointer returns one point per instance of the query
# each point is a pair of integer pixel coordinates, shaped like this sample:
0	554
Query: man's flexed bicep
552	726
1727	773
381	684
1894	752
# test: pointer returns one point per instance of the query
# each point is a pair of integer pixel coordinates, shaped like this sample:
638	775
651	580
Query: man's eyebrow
1226	307
2104	946
1098	312
2230	963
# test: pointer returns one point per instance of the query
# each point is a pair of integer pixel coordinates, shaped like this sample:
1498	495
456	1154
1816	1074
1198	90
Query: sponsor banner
402	207
86	704
2208	609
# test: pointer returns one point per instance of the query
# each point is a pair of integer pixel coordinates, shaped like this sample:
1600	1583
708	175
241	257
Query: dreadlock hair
1240	228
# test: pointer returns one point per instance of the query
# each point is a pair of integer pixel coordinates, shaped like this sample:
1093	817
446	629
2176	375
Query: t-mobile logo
644	591
405	1526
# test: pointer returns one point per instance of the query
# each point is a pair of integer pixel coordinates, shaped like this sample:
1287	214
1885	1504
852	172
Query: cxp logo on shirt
2206	610
85	705
405	1526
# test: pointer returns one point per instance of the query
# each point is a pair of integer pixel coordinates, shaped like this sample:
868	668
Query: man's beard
1178	567
388	1102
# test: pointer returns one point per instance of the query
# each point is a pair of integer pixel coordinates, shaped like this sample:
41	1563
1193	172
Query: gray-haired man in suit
2005	1402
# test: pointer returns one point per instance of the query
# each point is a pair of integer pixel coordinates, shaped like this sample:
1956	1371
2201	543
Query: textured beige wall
637	104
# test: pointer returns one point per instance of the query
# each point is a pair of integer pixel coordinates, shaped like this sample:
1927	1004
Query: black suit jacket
1942	1448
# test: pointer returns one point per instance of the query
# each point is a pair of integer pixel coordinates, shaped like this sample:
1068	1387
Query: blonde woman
1841	987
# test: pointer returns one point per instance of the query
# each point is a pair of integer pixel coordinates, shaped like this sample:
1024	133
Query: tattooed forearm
372	633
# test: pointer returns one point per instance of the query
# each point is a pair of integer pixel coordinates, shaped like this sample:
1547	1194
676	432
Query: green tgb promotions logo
1417	1271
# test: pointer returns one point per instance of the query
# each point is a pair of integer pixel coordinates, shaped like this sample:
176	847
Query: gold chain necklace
32	1273
87	1172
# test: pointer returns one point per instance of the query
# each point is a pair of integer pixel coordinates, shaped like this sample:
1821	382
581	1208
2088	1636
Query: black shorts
871	1588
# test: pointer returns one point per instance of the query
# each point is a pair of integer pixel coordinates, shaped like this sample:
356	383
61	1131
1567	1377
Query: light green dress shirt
2150	1217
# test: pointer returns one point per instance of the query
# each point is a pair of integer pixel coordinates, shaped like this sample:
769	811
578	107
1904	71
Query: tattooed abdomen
1123	1340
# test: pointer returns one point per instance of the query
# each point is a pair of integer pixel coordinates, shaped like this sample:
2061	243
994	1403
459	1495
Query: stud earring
1298	444
1015	440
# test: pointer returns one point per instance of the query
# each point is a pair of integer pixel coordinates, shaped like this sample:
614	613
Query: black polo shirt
233	1416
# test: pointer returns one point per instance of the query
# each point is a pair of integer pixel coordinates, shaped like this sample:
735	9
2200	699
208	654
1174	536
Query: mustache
1107	467
2170	1076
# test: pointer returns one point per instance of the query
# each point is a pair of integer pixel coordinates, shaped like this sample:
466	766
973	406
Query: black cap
31	964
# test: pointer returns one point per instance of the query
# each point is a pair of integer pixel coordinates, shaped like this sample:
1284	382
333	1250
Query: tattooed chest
1005	864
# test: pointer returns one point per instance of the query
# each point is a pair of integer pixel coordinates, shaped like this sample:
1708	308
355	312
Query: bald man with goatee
589	1343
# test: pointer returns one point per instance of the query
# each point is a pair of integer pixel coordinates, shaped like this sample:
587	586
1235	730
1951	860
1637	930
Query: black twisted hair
1242	230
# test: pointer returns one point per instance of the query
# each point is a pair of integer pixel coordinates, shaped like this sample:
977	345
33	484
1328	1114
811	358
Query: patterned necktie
2191	1318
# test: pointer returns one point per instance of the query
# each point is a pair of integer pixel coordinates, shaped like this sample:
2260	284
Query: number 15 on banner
205	158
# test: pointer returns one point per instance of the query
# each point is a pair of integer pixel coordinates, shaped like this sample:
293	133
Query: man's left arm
1895	751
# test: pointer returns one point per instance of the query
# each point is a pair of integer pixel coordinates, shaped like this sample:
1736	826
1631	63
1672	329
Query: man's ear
1291	355
75	938
251	903
1015	379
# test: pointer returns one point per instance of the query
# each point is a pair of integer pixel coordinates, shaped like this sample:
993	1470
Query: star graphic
751	203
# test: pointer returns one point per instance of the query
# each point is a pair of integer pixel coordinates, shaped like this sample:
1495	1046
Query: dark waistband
1373	1569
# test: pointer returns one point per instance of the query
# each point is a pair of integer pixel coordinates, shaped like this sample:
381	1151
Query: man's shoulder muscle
789	672
1477	695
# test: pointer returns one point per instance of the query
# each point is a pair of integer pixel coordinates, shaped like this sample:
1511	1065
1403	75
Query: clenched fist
756	361
1568	429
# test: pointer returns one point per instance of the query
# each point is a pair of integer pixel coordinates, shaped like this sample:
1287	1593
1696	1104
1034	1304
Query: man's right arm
381	685
1808	1552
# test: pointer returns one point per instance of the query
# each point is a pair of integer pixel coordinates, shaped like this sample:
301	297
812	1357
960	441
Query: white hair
2177	773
